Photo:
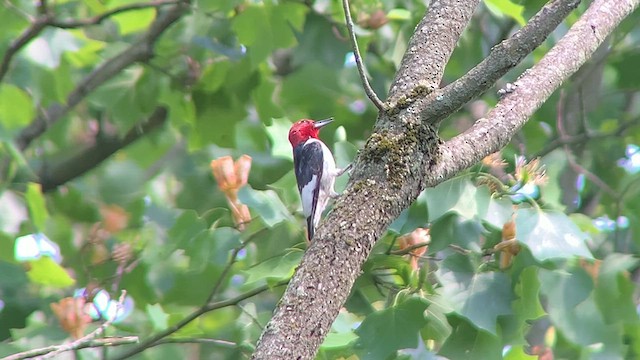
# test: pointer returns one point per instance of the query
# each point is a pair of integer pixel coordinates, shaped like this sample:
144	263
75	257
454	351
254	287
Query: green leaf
614	290
384	332
399	14
508	8
338	340
481	298
527	305
45	271
16	110
468	343
550	234
625	64
279	131
438	327
318	44
572	309
276	23
131	21
458	195
159	319
455	230
48	47
275	269
37	205
266	203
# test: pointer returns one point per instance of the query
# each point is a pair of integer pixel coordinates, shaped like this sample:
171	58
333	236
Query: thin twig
232	260
586	136
359	63
409	249
194	315
95	343
86	341
29	34
95	20
52	175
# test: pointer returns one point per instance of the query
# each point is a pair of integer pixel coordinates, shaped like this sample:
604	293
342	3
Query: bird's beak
321	123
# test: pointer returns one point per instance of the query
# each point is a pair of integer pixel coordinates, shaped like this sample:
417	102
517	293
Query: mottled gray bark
404	154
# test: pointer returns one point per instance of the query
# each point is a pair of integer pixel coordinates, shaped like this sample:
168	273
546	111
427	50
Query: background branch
53	175
140	51
532	89
83	342
29	34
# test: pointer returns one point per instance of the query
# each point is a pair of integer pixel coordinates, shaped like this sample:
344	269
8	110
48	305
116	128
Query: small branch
586	136
429	50
52	176
102	342
502	58
359	63
140	51
232	260
534	87
76	23
29	34
152	341
88	340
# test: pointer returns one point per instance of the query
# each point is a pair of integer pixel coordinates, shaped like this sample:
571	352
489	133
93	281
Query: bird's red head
303	130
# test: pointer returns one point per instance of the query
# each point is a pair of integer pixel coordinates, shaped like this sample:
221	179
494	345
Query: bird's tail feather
310	228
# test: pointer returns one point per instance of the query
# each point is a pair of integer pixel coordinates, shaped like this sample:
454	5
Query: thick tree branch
53	175
387	177
429	50
46	18
359	62
501	59
532	89
140	51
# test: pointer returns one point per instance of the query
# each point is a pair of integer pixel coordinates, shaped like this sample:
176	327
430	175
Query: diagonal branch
359	62
500	60
52	176
140	51
531	90
429	50
152	341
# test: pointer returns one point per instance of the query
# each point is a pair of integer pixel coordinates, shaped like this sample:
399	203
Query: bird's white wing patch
307	195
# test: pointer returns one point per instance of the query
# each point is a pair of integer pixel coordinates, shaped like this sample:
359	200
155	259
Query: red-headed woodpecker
315	169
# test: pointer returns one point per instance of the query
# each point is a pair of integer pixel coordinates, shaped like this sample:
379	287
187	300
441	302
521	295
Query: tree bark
404	155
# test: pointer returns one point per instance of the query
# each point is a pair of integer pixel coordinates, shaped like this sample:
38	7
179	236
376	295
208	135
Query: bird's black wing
308	164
